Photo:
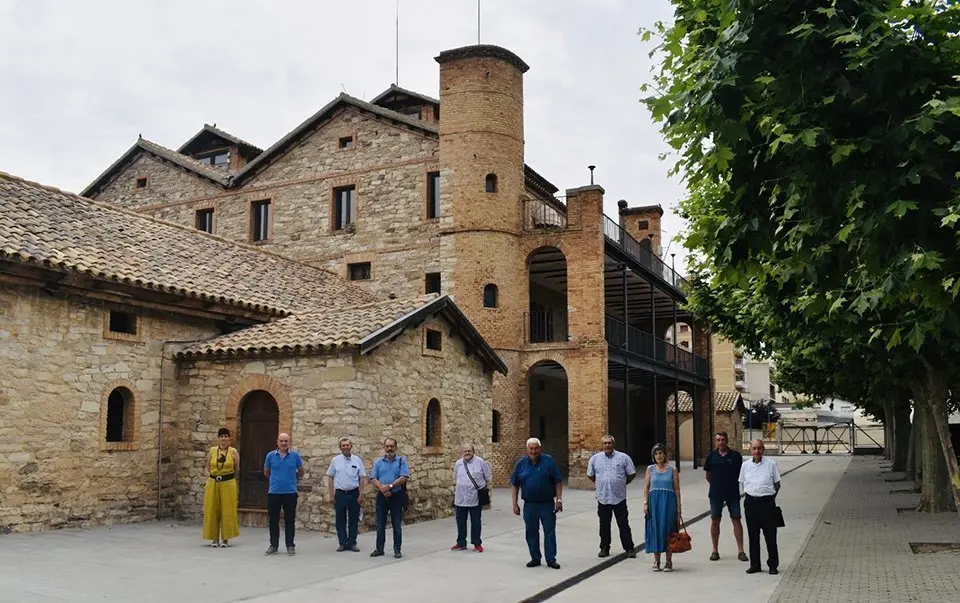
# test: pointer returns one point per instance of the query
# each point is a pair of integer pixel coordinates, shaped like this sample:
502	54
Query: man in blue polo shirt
283	467
389	474
537	478
722	469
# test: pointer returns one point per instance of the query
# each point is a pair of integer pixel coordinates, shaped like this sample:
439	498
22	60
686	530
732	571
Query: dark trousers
474	513
761	517
606	513
394	505
288	503
348	516
535	514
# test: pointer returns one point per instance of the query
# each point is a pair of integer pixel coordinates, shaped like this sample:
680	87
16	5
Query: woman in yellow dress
220	496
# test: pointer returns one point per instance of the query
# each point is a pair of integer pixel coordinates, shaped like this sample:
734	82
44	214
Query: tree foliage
820	143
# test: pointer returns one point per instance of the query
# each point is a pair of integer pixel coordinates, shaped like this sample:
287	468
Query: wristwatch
560	500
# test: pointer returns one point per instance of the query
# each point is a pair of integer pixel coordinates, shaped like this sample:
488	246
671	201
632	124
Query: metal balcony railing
544	326
632	339
616	234
541	215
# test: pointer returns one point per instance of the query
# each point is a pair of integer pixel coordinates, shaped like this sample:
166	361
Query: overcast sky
80	80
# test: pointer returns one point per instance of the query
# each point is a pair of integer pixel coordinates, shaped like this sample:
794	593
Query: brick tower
482	184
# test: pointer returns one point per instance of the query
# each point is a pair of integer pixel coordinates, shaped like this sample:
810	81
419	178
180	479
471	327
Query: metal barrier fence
823	438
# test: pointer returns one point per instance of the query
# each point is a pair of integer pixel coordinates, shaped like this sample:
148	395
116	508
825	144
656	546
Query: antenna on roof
396	79
478	22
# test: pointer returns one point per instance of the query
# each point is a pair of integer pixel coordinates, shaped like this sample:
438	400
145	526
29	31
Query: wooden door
259	426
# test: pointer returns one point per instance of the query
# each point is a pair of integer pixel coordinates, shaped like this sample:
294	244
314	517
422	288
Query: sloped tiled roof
53	229
218	176
309	331
723	402
365	327
395	90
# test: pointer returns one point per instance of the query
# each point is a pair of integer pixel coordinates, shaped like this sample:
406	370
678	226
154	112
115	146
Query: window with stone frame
490	292
433	429
142	182
119	420
433	195
432	282
344	207
359	271
260	221
345	142
122	325
643	224
204	219
434	340
490	183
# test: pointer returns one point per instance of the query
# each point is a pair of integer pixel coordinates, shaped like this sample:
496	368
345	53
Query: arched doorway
259	426
549	416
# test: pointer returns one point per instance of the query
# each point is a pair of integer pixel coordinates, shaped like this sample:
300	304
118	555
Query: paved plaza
844	541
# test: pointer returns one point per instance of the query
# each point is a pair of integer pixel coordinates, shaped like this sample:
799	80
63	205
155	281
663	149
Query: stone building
409	194
127	342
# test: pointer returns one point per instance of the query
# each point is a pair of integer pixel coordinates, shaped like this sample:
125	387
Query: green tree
819	143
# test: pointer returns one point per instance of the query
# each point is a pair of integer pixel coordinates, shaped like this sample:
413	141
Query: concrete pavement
164	561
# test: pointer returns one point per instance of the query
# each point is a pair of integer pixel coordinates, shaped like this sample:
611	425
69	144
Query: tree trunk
902	434
937	428
889	436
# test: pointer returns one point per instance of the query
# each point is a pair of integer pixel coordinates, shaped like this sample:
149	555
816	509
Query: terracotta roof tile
51	228
723	402
312	331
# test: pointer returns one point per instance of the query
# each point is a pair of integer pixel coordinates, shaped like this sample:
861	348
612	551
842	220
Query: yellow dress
220	499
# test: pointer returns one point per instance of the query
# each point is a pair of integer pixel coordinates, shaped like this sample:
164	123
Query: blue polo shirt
283	471
387	471
724	470
537	482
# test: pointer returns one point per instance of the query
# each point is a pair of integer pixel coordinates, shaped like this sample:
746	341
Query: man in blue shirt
537	477
722	469
283	467
347	476
390	474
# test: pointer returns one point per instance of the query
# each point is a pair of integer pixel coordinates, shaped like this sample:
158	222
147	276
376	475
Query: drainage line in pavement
572	581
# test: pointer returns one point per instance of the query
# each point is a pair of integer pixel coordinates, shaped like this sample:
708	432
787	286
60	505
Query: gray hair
470	446
658	447
609	437
536	441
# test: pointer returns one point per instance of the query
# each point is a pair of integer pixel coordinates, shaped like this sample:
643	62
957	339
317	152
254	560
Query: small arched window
491	183
434	424
120	415
490	296
495	428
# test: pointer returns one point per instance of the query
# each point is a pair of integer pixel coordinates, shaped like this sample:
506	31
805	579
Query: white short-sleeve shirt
758	479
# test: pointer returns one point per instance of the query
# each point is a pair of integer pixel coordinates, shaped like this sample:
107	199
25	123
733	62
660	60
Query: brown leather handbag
679	540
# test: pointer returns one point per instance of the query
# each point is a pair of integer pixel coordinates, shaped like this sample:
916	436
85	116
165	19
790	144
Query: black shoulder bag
483	494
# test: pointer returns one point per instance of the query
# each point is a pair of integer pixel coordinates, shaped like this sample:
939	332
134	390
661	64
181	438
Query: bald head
756	450
283	442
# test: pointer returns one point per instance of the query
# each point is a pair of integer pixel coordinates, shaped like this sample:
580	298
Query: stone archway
548	395
258	428
266	405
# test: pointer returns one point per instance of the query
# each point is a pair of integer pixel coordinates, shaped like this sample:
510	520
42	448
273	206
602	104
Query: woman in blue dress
661	490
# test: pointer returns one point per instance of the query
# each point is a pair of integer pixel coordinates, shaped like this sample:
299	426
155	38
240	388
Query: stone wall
166	183
60	364
368	398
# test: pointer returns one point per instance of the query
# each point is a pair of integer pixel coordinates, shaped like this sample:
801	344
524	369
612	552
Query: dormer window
413	112
216	158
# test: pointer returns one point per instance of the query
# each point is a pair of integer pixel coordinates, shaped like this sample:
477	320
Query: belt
354	490
224	478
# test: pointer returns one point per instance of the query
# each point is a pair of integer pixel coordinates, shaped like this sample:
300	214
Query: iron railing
544	326
616	234
541	215
632	339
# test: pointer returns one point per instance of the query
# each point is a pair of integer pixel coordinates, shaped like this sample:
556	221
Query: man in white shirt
347	476
471	474
611	471
760	478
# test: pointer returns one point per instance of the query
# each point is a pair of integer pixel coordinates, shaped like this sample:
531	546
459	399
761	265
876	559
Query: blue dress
662	504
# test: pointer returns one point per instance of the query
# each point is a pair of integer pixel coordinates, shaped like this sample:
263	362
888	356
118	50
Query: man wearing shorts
722	468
